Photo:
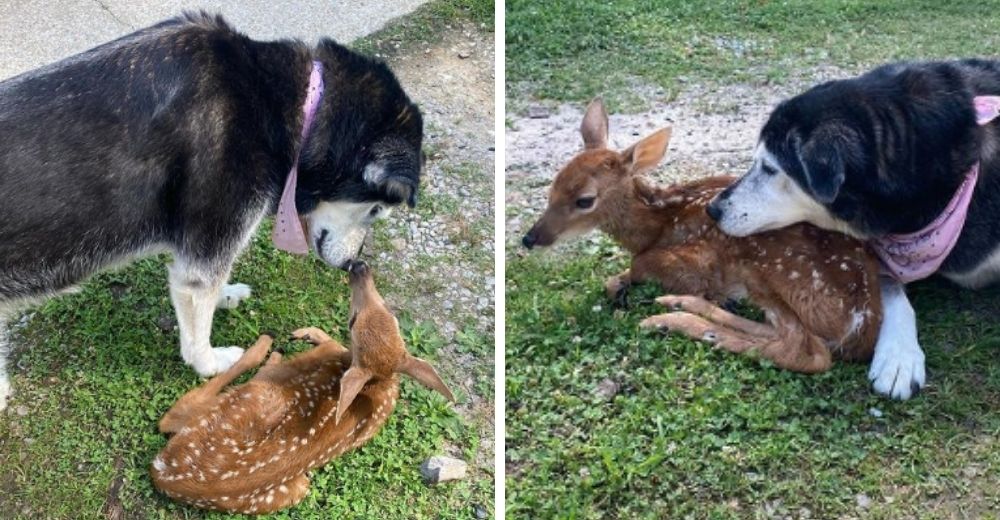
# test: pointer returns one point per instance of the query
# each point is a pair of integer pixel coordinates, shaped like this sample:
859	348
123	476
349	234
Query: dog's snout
713	210
529	240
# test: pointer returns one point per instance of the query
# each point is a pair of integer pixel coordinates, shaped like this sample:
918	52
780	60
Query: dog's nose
529	240
713	210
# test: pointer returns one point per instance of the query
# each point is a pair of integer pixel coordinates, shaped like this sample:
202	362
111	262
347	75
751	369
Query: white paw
232	295
897	369
220	360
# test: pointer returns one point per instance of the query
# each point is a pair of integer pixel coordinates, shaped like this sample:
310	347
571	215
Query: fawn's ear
594	128
350	384
423	372
644	156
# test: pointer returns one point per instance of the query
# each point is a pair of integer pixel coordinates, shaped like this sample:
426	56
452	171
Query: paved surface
37	32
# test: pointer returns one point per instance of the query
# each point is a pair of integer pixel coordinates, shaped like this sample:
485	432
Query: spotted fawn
246	449
819	290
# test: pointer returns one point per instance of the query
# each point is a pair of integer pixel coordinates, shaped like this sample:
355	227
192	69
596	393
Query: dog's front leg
195	293
897	369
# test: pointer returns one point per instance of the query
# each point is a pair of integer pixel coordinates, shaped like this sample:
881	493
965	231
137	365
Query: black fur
178	136
887	150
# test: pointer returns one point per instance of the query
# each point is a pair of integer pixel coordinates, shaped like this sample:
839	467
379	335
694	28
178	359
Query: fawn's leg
679	269
312	334
697	327
708	310
198	401
788	345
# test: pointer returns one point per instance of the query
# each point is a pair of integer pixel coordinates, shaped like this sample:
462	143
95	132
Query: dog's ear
424	373
823	165
396	181
644	156
594	128
351	384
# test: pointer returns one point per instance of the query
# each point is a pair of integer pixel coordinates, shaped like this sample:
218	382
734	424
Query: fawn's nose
529	240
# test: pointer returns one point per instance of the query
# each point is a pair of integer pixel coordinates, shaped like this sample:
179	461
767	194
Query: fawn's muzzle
529	239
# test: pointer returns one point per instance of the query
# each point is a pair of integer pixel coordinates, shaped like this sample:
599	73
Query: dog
182	137
818	289
248	448
904	156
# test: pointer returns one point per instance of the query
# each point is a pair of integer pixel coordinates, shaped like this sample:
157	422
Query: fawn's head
583	190
377	348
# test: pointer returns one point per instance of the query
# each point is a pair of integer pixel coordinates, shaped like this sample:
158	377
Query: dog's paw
897	369
220	360
232	295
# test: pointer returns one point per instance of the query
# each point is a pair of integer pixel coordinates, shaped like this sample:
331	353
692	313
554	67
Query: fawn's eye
768	169
350	324
376	209
585	202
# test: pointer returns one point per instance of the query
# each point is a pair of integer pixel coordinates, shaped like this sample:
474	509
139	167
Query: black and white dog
180	138
882	155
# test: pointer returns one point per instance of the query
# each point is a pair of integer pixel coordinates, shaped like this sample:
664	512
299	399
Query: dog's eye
768	169
376	209
585	202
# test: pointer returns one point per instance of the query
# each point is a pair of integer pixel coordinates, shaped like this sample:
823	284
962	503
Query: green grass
427	24
704	433
100	372
571	51
695	432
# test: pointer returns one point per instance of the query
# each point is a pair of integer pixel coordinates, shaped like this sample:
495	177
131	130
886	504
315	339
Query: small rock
607	389
28	441
440	468
875	412
538	112
21	410
464	53
863	501
398	244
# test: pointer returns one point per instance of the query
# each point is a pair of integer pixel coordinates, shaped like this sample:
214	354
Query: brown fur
248	448
818	289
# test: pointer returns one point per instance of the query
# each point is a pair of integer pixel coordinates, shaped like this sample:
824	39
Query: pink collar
288	234
917	255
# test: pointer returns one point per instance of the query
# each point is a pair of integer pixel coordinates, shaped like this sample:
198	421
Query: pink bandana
288	234
917	255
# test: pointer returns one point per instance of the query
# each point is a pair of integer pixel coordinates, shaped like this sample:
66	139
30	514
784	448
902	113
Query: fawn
247	449
819	290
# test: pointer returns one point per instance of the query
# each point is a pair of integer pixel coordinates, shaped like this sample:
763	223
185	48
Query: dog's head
866	156
377	348
594	180
805	152
363	157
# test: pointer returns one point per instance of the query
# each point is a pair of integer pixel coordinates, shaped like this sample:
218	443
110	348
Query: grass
704	433
693	432
100	367
571	51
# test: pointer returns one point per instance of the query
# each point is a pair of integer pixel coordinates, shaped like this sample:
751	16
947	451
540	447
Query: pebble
607	389
875	412
863	501
441	468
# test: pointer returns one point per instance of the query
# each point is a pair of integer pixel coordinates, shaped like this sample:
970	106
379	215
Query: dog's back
99	150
